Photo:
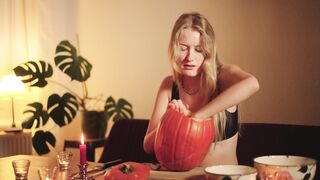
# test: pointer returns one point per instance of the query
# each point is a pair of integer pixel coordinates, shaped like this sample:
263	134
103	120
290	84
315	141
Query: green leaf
109	107
39	141
226	178
66	59
118	110
38	115
307	176
34	72
303	169
62	109
117	117
126	106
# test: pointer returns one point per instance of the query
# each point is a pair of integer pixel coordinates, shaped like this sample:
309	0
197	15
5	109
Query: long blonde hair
208	80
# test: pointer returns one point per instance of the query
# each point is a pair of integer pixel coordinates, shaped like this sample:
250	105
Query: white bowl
285	167
238	172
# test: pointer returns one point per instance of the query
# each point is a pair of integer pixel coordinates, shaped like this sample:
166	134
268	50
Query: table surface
38	161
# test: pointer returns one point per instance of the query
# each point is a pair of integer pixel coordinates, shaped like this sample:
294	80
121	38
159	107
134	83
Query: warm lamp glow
11	85
82	138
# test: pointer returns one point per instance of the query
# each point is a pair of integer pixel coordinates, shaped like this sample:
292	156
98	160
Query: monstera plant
62	109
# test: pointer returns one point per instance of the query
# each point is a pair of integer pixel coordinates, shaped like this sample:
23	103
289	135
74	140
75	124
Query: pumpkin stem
126	169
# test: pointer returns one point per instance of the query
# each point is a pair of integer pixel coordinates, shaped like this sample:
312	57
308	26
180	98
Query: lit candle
83	151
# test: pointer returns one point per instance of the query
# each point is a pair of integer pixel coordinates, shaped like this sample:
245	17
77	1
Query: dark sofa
257	139
126	141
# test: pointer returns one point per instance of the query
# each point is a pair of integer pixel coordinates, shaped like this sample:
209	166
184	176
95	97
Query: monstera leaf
119	110
38	115
34	72
226	178
39	140
67	60
62	109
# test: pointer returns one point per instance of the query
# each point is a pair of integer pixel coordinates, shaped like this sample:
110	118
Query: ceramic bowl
230	172
285	167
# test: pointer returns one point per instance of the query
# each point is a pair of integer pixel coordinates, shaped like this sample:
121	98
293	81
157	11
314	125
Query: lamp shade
11	85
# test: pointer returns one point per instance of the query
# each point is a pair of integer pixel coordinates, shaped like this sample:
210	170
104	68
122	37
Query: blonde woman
201	86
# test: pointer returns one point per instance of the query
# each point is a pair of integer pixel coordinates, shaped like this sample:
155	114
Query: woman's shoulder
223	68
165	88
167	82
229	74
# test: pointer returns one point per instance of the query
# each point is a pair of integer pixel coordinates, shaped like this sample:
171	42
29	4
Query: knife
101	168
110	164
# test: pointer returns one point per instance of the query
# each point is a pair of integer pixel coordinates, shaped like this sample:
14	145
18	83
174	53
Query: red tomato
128	171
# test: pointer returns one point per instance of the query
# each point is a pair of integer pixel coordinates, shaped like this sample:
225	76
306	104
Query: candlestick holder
83	172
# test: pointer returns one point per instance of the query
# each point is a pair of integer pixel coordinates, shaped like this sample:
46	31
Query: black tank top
232	117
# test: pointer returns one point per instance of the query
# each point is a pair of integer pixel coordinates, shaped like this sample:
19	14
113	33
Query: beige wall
126	41
276	40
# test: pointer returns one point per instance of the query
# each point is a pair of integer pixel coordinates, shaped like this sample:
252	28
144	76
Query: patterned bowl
230	172
285	167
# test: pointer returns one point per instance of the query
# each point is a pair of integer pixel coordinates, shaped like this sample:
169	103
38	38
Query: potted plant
63	109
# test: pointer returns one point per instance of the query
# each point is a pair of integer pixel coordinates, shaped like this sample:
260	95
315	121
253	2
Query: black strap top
232	117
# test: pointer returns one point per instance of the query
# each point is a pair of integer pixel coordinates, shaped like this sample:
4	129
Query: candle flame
82	138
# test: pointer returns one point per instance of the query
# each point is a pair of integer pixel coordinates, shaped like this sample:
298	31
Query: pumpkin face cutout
181	142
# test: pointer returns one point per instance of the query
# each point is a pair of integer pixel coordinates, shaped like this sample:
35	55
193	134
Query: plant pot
94	124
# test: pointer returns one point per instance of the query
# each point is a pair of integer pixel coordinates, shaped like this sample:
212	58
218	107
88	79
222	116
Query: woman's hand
179	106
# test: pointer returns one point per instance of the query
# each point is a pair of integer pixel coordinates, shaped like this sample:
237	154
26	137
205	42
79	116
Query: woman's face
190	56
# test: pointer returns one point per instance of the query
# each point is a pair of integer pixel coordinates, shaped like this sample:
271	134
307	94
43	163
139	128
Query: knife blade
112	163
101	168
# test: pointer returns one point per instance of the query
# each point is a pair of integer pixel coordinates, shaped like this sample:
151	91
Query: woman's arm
235	86
160	107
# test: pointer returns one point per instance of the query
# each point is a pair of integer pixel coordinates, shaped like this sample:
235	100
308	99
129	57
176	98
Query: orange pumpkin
128	171
181	142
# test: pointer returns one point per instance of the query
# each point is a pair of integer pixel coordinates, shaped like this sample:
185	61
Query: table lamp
11	86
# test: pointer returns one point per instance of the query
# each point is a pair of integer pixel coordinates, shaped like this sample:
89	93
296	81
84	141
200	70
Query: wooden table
194	174
6	170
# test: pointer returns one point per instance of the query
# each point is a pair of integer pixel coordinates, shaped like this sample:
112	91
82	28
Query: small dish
230	172
285	167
